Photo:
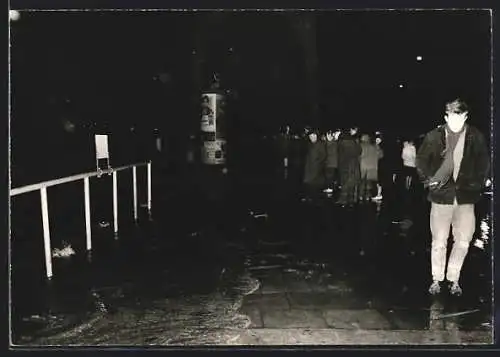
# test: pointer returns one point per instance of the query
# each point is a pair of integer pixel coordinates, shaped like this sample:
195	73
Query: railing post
134	179
115	202
88	230
149	188
46	232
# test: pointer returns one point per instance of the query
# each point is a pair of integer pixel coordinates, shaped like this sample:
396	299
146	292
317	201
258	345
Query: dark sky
108	65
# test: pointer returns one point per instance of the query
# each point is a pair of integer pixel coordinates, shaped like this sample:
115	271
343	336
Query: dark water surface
238	259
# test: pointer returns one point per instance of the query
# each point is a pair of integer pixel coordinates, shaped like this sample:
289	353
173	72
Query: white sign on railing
101	147
102	154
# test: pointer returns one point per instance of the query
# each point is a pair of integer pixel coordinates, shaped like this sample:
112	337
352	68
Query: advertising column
213	150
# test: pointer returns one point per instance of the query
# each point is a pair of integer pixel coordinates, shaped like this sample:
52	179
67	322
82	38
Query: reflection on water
131	319
484	233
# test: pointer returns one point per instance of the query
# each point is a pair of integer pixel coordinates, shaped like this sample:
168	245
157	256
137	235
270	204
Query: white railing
42	187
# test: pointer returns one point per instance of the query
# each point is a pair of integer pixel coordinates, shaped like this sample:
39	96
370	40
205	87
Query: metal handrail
37	186
42	187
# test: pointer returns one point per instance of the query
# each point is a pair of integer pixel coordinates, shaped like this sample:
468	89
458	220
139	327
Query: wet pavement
244	261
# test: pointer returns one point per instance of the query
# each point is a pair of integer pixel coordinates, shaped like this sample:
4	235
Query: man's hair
457	105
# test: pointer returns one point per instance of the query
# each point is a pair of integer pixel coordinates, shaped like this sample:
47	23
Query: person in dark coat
453	163
314	165
370	155
349	152
284	147
332	161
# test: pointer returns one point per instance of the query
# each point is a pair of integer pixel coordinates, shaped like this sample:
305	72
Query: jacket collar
468	135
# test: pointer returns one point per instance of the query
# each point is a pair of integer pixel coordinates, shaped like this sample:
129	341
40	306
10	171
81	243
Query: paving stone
477	337
288	337
298	287
255	316
356	319
337	287
302	336
272	284
330	300
293	319
406	319
267	301
367	337
249	337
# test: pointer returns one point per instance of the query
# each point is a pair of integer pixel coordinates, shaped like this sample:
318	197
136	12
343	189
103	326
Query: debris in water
283	256
455	314
258	215
222	273
273	243
33	318
99	303
65	252
479	244
264	267
104	224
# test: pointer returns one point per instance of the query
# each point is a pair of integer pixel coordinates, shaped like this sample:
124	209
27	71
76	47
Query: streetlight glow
419	58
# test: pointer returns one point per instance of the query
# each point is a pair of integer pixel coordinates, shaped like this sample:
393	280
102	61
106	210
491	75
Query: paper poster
208	112
220	112
101	147
214	152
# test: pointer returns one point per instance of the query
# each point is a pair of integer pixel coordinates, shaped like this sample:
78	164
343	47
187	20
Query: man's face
313	137
354	131
456	121
378	141
329	136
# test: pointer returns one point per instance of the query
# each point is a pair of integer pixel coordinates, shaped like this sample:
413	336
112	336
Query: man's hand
432	185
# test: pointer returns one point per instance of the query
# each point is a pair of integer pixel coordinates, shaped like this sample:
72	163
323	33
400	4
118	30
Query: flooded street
243	261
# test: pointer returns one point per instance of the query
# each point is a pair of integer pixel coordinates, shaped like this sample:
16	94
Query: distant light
230	49
14	15
419	58
401	86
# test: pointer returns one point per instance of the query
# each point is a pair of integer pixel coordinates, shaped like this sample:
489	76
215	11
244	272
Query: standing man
453	162
331	162
370	155
409	155
349	152
314	165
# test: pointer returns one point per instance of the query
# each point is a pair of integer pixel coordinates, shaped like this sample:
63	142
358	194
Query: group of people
452	164
348	163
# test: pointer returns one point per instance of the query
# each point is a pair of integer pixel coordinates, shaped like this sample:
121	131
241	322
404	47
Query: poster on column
214	152
220	115
208	112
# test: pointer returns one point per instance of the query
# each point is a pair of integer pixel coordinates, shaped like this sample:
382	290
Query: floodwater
240	260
